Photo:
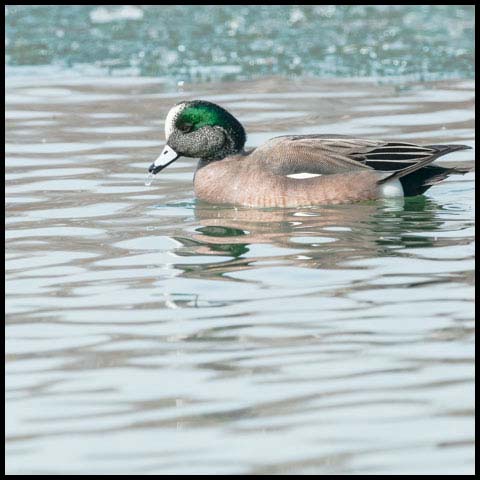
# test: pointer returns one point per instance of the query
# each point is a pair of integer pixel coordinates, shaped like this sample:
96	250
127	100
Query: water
185	43
149	179
149	333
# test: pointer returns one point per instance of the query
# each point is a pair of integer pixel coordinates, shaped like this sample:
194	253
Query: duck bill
168	156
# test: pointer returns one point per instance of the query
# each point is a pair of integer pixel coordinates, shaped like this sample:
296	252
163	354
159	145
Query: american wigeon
293	170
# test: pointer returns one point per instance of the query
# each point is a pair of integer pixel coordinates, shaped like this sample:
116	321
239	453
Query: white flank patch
304	175
170	120
392	189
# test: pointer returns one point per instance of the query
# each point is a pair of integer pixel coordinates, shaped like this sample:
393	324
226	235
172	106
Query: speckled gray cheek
207	142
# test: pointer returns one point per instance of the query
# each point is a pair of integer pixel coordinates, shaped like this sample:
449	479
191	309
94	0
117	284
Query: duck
294	170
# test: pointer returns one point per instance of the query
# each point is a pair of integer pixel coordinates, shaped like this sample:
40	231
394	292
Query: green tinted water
186	43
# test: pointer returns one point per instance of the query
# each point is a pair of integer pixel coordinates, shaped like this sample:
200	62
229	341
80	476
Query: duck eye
186	127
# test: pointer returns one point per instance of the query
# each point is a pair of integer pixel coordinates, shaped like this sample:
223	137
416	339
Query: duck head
199	129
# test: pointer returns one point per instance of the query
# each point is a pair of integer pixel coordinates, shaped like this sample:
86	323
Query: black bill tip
153	169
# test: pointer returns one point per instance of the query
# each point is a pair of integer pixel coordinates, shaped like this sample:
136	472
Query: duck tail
419	177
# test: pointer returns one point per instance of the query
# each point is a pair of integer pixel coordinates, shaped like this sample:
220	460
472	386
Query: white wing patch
170	120
304	175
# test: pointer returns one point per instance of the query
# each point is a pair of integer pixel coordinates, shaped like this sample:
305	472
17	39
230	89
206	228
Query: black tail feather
421	180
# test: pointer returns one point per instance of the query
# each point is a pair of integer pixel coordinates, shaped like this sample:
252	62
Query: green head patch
197	116
192	116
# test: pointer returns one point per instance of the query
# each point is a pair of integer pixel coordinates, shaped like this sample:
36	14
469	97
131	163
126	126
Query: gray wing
328	154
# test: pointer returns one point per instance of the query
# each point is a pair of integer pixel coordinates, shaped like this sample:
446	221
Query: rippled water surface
150	333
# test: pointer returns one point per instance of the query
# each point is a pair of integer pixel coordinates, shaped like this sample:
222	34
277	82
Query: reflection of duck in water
323	237
291	171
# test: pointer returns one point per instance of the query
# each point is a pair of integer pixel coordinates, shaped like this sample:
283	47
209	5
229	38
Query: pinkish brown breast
240	182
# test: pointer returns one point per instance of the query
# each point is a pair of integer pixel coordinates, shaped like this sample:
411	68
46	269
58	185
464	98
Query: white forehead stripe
171	117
